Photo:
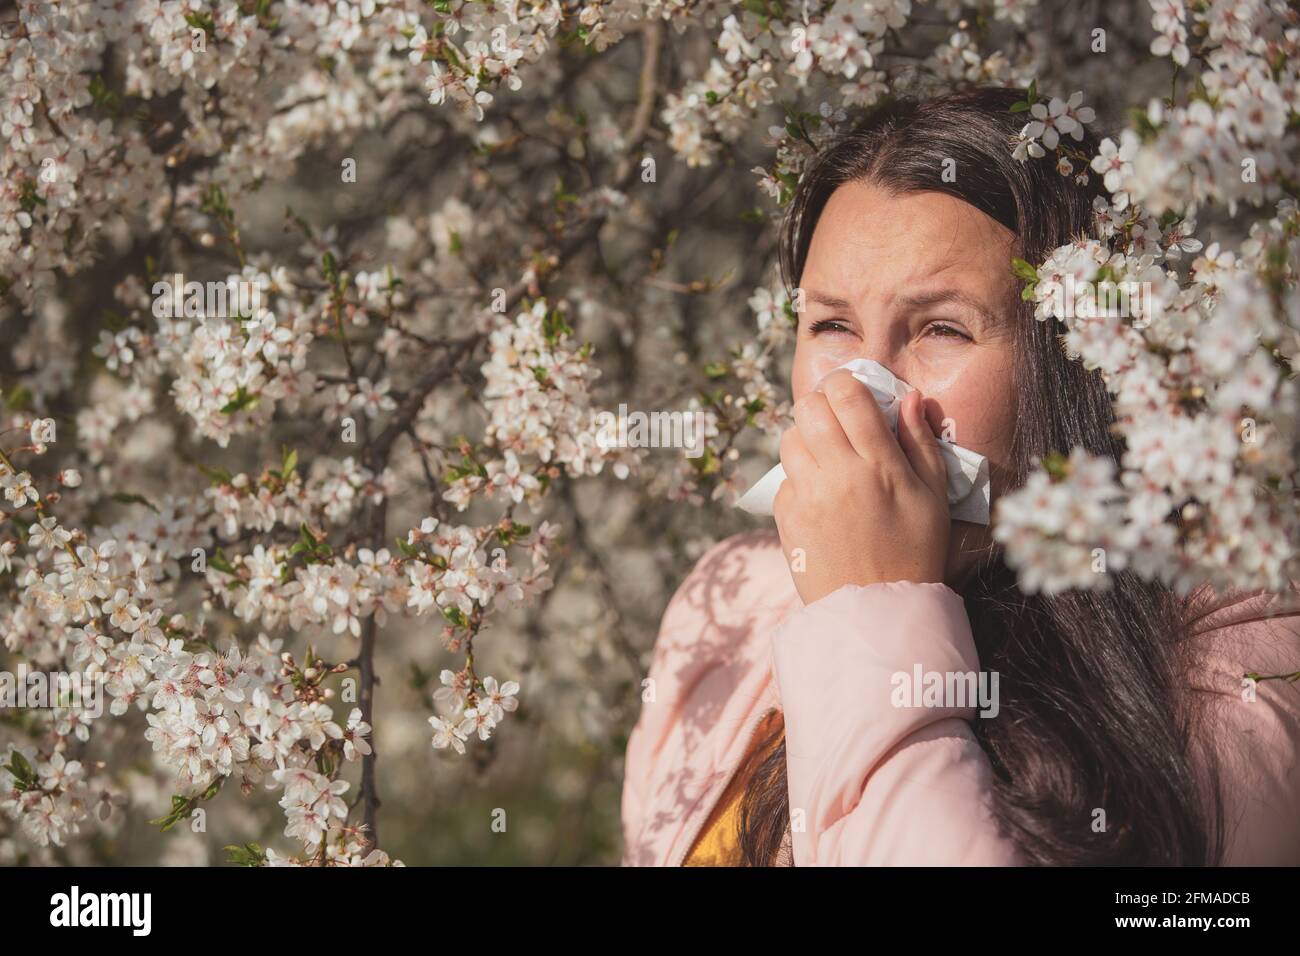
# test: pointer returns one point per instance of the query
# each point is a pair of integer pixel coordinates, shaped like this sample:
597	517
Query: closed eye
943	330
935	329
828	325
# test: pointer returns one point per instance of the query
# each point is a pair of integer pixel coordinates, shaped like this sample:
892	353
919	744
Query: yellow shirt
718	843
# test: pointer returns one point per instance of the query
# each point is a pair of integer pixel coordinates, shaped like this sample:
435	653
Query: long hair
1093	714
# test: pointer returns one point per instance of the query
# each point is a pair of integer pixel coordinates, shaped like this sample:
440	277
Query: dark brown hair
1092	708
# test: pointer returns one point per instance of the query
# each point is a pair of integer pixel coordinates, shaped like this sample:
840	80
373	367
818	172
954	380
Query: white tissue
968	472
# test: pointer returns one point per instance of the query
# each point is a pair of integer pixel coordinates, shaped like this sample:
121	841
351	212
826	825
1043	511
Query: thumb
920	445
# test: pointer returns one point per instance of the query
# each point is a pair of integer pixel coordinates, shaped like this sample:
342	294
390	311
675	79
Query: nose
828	360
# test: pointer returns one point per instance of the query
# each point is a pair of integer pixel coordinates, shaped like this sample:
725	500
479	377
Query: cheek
977	412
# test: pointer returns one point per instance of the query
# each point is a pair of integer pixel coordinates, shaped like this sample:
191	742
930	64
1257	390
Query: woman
769	732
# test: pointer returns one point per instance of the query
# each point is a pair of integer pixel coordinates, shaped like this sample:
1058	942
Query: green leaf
1141	122
218	476
330	268
706	464
102	96
201	20
241	401
1023	270
22	771
306	536
19	398
214	202
115	321
250	854
554	327
28	197
181	808
419	676
513	533
1056	465
222	563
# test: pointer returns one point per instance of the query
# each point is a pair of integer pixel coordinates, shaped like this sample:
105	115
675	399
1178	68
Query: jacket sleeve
873	782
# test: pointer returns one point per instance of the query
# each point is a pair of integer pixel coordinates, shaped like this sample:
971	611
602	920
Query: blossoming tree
312	311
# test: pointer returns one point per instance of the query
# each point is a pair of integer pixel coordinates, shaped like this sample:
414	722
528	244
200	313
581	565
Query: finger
779	504
822	434
783	500
919	444
860	418
796	459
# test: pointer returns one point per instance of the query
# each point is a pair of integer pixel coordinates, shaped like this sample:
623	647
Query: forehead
870	240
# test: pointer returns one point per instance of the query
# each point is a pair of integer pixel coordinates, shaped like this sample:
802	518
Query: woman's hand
857	505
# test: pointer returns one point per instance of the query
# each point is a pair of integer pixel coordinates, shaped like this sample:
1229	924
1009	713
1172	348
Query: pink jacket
885	785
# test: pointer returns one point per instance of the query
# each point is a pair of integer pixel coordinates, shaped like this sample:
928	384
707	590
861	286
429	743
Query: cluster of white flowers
1229	143
538	395
228	372
759	49
233	374
1066	534
768	45
248	713
1199	364
260	718
1200	372
337	68
451	567
1048	124
959	60
50	796
331	492
470	713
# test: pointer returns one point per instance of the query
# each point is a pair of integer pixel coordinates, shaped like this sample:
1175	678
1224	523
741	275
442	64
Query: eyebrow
831	301
940	296
918	301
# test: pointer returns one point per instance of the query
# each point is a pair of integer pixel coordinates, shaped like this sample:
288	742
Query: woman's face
922	284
